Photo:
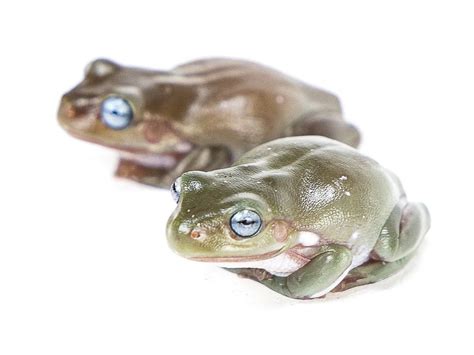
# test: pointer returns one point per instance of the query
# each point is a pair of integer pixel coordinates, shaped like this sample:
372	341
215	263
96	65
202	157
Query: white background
84	264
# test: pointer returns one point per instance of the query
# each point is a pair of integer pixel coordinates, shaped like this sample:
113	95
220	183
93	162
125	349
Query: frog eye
176	191
100	68
245	223
116	112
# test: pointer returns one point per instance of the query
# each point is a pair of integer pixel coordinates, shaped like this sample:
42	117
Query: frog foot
251	273
129	169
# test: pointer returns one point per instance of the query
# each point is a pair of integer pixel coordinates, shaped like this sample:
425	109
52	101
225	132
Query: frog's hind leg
371	272
328	125
402	233
396	246
203	159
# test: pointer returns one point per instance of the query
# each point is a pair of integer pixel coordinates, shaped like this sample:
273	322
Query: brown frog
201	115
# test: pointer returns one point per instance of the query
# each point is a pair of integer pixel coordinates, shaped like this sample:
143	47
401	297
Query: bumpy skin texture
332	218
199	116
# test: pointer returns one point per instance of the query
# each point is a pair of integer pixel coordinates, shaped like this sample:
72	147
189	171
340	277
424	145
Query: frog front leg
202	158
146	175
328	125
316	278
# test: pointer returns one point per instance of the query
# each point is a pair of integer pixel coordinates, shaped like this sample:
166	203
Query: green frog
201	115
304	216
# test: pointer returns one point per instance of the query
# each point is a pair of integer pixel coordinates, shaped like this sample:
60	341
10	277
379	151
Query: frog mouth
280	263
237	259
159	160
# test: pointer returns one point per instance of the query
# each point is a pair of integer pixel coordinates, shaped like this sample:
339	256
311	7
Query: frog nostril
70	111
77	108
67	109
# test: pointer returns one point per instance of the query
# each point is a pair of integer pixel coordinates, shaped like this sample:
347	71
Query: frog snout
67	109
186	231
70	109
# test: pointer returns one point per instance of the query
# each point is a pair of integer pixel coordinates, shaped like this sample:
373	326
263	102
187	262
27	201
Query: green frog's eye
116	112
245	223
176	191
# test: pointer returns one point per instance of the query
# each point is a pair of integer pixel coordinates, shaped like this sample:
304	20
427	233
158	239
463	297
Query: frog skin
324	218
202	115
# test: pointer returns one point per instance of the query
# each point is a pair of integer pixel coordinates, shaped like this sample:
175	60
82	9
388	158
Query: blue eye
176	191
245	223
116	112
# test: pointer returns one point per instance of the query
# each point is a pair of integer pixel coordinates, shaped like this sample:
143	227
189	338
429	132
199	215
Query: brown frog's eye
116	112
245	223
100	68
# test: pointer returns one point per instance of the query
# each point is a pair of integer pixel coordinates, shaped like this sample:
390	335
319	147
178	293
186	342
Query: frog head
128	109
228	215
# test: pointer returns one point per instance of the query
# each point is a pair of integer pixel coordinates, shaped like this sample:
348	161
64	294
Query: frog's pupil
247	221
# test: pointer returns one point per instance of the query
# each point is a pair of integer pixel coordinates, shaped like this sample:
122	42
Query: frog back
246	103
225	78
326	187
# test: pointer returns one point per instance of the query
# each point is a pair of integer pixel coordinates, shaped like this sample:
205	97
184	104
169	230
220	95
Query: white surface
84	264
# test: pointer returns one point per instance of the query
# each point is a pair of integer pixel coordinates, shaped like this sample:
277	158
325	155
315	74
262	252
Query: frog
200	115
304	216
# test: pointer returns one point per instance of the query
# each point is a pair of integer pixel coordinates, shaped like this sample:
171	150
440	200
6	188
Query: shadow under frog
201	115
